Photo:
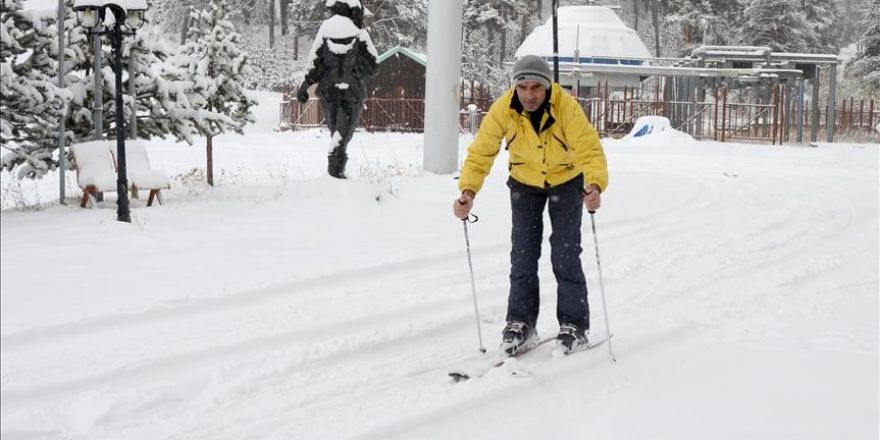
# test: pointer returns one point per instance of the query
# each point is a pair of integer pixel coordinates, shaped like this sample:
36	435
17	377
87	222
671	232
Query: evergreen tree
212	67
778	24
156	100
482	55
852	20
823	26
31	105
307	16
395	23
705	21
160	108
866	65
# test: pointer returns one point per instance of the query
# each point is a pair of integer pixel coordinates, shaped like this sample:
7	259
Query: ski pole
467	243
602	286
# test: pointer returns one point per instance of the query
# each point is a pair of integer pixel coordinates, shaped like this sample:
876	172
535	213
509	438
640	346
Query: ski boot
571	338
517	336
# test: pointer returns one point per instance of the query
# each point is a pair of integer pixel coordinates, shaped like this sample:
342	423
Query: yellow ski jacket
566	146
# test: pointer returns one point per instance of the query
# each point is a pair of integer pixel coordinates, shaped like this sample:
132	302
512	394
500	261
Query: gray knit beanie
532	68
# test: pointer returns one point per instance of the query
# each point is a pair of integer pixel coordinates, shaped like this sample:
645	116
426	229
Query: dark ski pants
341	116
566	211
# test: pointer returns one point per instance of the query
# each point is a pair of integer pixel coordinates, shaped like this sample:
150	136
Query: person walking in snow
342	58
556	161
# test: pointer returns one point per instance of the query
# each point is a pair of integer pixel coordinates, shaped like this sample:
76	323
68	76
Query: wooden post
862	114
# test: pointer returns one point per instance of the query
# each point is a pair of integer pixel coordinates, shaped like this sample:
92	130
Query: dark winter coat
342	59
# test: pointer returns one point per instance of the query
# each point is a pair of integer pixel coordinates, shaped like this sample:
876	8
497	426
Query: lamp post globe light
125	17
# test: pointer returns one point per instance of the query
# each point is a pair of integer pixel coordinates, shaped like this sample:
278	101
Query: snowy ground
742	285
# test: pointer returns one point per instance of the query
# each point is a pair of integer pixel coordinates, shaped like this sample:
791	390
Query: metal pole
814	117
724	112
62	155
98	109
442	84
802	90
602	287
467	242
472	119
122	211
832	102
132	91
556	41
789	103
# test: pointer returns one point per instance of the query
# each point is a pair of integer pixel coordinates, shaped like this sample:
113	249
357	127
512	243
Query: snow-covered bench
96	170
139	173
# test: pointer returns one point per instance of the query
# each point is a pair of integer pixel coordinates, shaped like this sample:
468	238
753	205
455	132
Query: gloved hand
302	95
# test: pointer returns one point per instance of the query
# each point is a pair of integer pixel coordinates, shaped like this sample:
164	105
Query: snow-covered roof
594	31
415	56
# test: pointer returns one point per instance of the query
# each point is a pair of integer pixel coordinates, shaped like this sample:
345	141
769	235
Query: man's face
531	94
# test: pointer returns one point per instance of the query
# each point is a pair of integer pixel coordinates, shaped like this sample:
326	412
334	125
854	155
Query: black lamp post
131	14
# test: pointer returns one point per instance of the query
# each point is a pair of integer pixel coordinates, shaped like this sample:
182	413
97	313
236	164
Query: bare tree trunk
636	12
209	148
185	29
503	31
296	46
655	16
541	10
271	23
284	6
490	43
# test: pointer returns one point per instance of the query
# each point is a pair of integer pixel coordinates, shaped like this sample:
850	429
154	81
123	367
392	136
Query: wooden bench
140	174
96	170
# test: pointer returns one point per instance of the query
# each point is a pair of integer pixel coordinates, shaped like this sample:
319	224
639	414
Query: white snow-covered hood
351	3
338	26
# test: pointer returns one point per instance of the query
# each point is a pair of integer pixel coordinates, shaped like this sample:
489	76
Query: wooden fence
712	118
378	114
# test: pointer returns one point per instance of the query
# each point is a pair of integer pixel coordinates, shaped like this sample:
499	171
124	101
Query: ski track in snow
713	256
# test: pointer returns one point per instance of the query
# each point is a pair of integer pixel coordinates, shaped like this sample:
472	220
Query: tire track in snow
452	313
234	300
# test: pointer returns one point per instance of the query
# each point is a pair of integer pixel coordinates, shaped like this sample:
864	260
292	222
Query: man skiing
556	159
342	58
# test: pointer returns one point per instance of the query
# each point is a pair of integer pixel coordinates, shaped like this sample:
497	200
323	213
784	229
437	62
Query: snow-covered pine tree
213	67
485	35
160	108
705	21
31	104
823	26
173	15
695	17
402	23
851	20
778	24
866	65
306	17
